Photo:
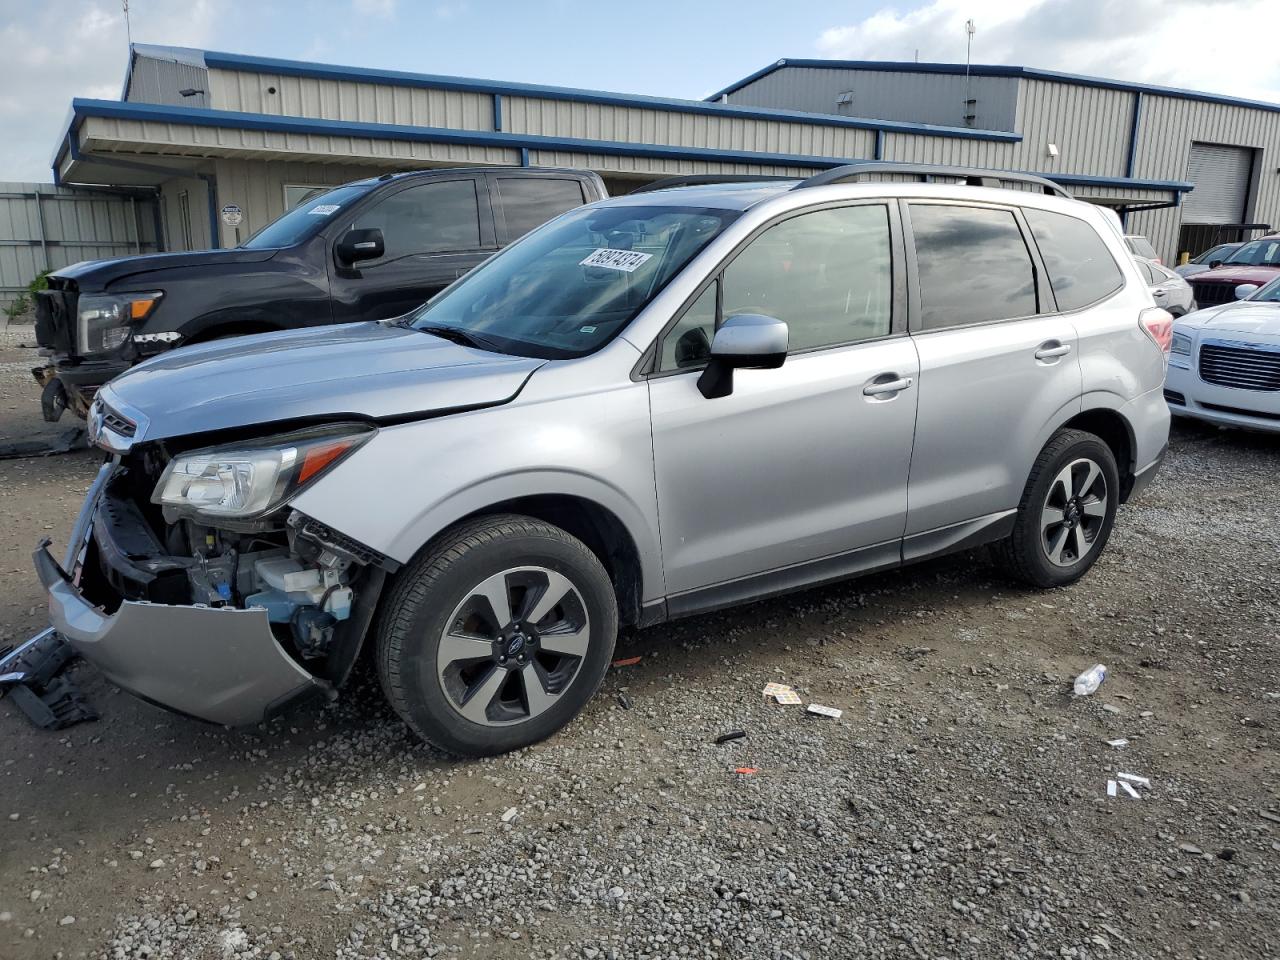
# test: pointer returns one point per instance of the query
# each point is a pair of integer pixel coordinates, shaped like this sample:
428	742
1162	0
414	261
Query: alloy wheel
513	646
1074	512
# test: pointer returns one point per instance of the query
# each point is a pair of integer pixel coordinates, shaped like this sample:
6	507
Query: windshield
306	218
1269	293
569	287
1257	253
1215	253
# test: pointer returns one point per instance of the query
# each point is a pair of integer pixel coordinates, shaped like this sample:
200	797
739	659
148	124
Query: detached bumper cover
216	664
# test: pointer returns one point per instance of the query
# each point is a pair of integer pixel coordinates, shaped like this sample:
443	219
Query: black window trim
1093	303
1043	291
647	366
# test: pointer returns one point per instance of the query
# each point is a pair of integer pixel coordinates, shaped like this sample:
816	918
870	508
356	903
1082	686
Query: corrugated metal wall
886	95
154	80
44	227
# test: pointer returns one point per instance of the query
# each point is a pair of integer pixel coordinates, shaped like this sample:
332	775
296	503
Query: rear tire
1067	510
497	635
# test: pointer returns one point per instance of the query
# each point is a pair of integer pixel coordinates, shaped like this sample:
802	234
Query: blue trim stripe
497	112
323	71
996	70
205	117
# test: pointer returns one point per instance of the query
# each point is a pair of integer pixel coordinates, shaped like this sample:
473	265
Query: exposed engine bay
318	587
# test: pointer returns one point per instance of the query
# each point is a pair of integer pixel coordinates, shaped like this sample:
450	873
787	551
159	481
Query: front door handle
1053	350
880	388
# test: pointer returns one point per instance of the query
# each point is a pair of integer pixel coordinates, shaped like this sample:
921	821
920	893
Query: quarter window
828	274
974	266
529	202
1081	269
436	217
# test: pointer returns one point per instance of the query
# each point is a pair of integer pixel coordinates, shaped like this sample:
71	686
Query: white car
1224	364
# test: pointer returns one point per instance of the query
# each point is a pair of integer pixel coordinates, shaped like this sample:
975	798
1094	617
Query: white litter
1111	788
509	814
822	711
1118	744
1129	790
1134	778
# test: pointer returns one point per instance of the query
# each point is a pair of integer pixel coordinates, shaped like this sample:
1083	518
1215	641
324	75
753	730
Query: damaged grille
55	319
326	536
116	423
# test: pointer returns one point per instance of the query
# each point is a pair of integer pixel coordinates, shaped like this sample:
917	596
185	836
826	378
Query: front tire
497	635
1067	510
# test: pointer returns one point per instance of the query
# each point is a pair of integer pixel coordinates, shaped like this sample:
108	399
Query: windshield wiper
458	335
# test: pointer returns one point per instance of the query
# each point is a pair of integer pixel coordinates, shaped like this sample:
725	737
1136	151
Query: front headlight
248	481
104	318
1181	345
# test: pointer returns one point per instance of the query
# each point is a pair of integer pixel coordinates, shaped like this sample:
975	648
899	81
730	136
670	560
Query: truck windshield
306	218
569	287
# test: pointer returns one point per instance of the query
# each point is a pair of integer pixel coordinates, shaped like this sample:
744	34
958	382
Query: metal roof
997	70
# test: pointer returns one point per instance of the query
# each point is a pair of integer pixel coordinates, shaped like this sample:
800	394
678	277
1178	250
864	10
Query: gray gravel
958	809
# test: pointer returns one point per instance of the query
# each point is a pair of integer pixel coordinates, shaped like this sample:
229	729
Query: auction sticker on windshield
625	260
322	209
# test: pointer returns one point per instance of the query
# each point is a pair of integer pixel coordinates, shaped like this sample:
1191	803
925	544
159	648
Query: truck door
433	233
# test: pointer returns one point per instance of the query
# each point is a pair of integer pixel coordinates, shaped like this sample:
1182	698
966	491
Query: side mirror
1214	264
1245	290
746	340
359	245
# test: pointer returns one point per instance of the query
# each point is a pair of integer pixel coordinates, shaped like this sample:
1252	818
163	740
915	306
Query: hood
97	274
1243	316
363	370
1237	273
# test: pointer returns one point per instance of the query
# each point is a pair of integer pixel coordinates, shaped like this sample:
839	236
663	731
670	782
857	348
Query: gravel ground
958	808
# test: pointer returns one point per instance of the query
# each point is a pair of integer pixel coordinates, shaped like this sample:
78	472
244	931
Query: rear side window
436	217
974	266
1081	269
1141	247
529	202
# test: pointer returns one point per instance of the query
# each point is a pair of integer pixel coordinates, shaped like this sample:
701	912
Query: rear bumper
222	665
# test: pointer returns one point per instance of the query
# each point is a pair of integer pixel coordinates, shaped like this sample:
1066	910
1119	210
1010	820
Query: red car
1257	261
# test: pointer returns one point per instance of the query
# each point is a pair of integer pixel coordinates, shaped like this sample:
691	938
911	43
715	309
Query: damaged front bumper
219	664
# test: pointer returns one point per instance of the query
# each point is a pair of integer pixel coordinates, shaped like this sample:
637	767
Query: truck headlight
104	318
1181	345
255	478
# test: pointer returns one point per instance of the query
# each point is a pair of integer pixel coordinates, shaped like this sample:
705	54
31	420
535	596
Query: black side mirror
745	340
360	245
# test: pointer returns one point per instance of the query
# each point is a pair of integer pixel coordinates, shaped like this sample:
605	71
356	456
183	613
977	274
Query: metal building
229	142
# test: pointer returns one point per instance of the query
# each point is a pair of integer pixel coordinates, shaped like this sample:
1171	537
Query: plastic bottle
1090	680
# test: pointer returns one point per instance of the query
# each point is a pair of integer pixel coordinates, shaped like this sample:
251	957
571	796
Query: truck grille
116	423
1245	366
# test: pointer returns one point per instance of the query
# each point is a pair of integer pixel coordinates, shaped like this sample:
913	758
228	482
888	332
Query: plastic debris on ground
1118	744
745	771
822	711
1126	782
626	662
730	736
31	674
624	701
781	693
1090	680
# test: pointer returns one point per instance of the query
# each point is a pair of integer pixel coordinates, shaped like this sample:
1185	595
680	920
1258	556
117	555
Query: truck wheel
1067	510
497	635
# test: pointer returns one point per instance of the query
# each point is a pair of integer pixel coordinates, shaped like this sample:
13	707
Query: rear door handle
881	388
1052	352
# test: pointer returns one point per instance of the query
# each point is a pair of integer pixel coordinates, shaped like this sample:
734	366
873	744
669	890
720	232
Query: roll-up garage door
1221	175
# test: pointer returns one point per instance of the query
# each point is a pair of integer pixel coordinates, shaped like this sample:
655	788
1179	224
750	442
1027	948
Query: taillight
1158	325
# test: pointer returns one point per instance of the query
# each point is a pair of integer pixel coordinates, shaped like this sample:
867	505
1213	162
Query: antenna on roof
128	28
970	111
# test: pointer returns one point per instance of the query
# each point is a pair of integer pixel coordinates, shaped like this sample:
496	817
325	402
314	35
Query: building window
296	193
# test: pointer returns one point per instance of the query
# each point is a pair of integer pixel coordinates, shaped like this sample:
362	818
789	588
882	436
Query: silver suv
653	406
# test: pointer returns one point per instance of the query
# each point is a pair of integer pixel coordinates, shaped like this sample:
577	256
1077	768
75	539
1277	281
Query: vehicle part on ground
32	676
516	620
1066	512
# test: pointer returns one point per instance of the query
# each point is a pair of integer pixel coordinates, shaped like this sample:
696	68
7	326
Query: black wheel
1066	513
497	635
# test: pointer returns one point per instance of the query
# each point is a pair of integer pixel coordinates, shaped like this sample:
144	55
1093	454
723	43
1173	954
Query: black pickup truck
368	250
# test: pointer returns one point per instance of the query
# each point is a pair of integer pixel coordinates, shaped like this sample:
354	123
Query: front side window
438	217
828	274
568	288
529	202
973	264
1081	269
305	220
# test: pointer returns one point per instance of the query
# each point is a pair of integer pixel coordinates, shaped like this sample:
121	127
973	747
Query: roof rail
926	172
699	179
